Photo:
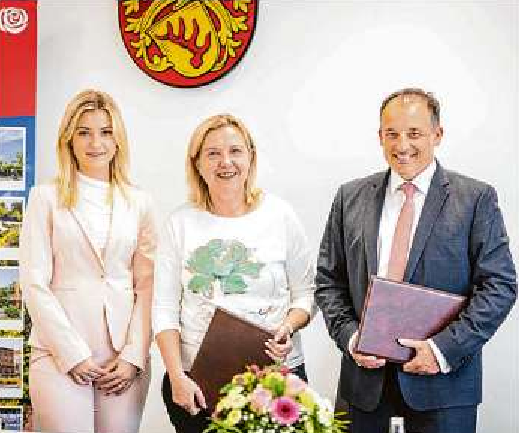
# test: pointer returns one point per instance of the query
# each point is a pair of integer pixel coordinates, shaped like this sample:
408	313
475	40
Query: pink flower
284	370
284	410
260	399
295	385
254	368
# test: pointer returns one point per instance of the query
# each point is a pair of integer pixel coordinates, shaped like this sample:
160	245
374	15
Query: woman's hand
86	372
119	376
281	345
187	394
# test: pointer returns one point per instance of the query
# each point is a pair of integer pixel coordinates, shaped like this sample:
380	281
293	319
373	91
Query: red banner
18	39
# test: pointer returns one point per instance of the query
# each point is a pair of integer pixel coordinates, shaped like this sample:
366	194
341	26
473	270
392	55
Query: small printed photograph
11	216
12	158
11	367
11	310
11	418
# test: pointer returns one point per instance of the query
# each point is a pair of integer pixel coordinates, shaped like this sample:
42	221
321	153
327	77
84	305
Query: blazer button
102	276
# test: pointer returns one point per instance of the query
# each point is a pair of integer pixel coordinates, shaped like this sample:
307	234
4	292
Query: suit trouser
62	406
460	419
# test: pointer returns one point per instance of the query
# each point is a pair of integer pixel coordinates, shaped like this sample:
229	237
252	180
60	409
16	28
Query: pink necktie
400	245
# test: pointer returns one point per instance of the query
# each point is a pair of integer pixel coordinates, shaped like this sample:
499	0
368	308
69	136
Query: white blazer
71	291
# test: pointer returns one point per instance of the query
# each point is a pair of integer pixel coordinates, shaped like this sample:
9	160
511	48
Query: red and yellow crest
187	43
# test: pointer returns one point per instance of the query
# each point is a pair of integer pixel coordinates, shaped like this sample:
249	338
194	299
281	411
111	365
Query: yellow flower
234	417
221	405
309	426
275	375
248	378
236	400
307	400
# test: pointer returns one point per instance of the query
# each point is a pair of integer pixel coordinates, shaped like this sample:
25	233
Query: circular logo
187	43
13	20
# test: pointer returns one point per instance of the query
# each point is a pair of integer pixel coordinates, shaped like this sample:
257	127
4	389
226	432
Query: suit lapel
372	213
436	196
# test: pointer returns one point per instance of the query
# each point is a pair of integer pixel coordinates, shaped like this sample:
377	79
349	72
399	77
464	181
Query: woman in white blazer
86	269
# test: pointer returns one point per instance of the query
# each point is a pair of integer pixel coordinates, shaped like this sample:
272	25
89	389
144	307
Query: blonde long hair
198	189
68	167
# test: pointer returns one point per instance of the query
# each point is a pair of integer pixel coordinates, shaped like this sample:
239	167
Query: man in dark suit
423	224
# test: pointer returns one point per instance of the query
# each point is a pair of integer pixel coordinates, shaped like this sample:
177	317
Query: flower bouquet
272	400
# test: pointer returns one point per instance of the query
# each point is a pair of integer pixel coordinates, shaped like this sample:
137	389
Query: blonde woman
233	246
86	268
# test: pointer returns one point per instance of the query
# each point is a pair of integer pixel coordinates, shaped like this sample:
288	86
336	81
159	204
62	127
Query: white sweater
257	265
93	209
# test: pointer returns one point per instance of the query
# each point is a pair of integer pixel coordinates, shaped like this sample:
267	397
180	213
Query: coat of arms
187	43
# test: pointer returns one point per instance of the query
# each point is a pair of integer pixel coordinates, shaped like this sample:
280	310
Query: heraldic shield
187	43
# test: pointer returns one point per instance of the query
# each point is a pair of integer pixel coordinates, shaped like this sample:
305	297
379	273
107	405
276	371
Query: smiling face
408	136
93	144
224	162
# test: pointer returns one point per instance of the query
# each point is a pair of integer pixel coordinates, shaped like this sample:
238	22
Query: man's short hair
432	103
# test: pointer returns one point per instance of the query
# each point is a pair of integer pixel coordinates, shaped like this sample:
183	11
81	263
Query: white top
94	209
257	265
393	203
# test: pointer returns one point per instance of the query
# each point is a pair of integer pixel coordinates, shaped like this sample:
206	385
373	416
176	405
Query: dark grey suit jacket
460	246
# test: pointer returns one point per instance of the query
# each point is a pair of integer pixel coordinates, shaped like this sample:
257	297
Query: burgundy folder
400	310
230	344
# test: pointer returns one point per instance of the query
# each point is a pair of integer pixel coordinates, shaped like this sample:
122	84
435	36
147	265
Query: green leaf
201	261
233	284
249	268
200	284
237	252
223	268
215	247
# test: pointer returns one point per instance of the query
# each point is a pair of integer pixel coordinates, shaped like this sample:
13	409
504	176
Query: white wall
309	88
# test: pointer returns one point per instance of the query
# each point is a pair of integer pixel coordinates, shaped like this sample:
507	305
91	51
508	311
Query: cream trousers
62	406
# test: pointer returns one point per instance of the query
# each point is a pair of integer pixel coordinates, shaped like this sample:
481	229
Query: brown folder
230	344
395	310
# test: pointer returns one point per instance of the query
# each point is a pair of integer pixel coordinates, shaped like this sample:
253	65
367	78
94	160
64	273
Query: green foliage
224	261
10	236
233	284
12	312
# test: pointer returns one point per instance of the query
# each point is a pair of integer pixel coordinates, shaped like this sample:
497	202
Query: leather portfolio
395	310
230	344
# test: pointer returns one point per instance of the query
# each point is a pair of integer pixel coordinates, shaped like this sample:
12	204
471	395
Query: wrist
352	342
177	376
289	328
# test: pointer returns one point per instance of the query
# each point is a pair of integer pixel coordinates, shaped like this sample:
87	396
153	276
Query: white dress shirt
393	203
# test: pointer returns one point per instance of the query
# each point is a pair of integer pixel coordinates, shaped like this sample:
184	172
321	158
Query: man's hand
281	345
86	372
424	361
119	377
187	394
365	361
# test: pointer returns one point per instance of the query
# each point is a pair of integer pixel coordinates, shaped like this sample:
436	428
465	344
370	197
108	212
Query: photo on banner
12	158
11	308
11	367
11	418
